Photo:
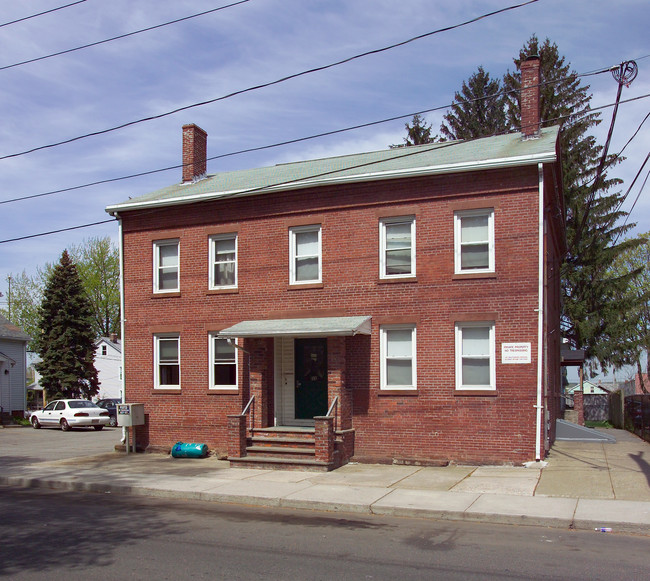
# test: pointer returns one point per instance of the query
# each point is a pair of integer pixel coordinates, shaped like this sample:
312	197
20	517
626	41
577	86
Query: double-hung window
167	355
475	359
474	241
223	261
398	361
166	266
397	247
223	363
305	254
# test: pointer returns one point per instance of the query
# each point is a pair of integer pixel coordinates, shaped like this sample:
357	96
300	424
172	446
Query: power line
407	153
55	231
298	140
67	51
271	83
624	75
41	13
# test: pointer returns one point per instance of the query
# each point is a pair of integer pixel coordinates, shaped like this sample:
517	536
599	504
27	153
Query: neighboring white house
108	362
13	368
588	388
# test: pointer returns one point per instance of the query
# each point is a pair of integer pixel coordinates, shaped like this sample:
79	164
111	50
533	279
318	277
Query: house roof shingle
10	331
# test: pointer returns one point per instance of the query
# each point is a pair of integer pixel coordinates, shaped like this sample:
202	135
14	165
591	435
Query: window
223	261
475	360
398	369
474	241
165	270
305	254
223	364
167	351
397	243
104	350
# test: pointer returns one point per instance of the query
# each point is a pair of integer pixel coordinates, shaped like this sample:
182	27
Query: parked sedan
70	413
109	404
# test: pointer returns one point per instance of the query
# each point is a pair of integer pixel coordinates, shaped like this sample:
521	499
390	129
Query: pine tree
66	342
592	213
418	133
478	110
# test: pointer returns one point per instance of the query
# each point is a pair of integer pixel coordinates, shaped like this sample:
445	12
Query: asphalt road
56	535
27	446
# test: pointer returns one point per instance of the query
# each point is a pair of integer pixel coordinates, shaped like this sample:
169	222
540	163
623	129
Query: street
48	534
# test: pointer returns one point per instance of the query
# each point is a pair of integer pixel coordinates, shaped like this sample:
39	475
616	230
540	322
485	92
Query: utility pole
9	298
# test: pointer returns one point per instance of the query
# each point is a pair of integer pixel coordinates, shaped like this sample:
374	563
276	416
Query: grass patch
598	424
21	421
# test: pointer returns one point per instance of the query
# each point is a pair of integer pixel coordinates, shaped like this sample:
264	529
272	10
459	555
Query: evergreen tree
66	343
592	212
632	333
478	110
418	133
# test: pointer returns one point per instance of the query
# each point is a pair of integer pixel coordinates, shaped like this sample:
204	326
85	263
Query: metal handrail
245	410
335	405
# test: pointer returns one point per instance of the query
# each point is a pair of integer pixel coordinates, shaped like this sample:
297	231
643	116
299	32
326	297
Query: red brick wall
436	422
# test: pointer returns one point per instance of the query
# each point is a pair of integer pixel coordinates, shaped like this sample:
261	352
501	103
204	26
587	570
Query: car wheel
65	426
98	428
112	422
36	424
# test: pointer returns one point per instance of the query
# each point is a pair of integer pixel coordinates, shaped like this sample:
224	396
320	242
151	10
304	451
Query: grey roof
454	156
117	344
314	327
10	331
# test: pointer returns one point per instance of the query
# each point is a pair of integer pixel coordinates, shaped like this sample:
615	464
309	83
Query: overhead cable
69	50
283	143
269	84
41	13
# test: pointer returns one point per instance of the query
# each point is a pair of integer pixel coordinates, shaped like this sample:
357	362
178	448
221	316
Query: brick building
393	306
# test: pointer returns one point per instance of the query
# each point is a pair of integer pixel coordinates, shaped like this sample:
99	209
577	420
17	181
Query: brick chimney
195	153
530	113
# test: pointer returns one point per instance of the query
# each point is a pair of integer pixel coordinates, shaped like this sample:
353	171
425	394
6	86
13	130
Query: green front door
311	378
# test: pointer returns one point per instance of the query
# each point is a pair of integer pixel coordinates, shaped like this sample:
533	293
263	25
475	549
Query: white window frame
490	356
157	245
211	363
157	362
383	249
383	342
213	259
458	216
293	256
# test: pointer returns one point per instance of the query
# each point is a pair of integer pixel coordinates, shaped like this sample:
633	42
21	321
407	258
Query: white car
70	413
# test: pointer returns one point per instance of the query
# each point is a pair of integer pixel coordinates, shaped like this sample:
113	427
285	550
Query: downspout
121	251
540	313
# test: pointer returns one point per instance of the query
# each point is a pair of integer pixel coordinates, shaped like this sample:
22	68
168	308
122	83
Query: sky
253	43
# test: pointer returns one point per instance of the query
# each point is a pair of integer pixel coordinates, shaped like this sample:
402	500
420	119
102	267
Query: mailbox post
130	415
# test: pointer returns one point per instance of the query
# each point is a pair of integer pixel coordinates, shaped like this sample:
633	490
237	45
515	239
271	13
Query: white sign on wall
516	352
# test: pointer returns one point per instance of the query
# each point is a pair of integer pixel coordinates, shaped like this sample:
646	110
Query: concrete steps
283	448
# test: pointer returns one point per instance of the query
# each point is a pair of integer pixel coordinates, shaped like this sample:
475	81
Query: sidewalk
582	486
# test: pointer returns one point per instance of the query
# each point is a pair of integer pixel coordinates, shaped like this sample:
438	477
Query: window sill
306	286
215	391
222	291
404	279
476	392
474	275
168	295
398	392
167	390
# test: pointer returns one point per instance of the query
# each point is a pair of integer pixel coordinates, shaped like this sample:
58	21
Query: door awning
316	327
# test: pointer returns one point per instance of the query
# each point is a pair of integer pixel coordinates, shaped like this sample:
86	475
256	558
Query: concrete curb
561	513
